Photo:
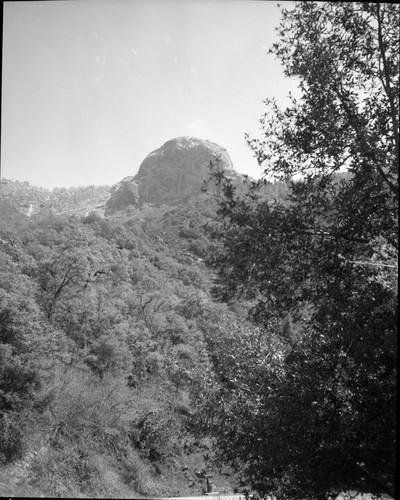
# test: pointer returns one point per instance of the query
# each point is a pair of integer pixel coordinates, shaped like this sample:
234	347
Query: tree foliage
102	349
113	349
320	266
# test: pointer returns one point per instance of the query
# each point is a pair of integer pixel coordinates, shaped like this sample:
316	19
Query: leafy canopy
320	267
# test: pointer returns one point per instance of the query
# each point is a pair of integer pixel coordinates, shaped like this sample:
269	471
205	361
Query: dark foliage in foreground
309	408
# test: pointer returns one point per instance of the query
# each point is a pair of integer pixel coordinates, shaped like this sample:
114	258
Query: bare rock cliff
176	171
122	195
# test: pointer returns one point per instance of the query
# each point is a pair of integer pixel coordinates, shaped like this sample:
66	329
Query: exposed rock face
172	173
122	195
176	170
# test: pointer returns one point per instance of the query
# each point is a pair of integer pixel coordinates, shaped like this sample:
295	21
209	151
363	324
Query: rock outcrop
176	171
123	195
171	174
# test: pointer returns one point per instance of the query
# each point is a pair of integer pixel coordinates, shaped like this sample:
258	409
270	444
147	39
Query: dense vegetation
103	344
33	200
308	409
254	330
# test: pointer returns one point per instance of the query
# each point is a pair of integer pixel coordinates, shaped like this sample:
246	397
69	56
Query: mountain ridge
170	174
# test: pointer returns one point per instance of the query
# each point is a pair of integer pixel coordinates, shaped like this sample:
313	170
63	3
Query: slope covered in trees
107	330
104	326
34	200
127	361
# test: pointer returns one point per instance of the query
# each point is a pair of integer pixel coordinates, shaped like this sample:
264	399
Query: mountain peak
177	170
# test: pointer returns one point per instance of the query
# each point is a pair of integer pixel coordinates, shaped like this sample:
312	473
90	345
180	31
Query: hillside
189	330
174	173
149	338
34	200
109	322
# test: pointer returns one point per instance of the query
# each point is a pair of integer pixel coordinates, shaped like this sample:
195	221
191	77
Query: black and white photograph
199	207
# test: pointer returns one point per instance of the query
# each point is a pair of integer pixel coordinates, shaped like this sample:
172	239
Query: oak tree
320	266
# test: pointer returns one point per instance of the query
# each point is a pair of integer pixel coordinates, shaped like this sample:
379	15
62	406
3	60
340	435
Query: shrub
189	234
200	249
156	430
11	437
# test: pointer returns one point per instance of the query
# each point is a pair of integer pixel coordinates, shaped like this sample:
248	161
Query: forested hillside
108	337
104	331
246	331
34	200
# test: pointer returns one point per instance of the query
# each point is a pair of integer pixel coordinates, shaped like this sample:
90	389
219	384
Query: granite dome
177	169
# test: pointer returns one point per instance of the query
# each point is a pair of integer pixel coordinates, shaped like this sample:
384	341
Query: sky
91	87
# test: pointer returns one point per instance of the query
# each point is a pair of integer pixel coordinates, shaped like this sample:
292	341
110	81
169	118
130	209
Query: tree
322	417
23	340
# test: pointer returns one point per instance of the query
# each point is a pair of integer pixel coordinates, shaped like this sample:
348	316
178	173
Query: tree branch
363	141
386	85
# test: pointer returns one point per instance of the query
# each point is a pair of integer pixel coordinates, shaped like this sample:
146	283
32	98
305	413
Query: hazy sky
90	88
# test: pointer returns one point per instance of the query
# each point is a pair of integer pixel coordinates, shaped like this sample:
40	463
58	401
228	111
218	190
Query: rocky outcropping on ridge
173	173
123	195
176	171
